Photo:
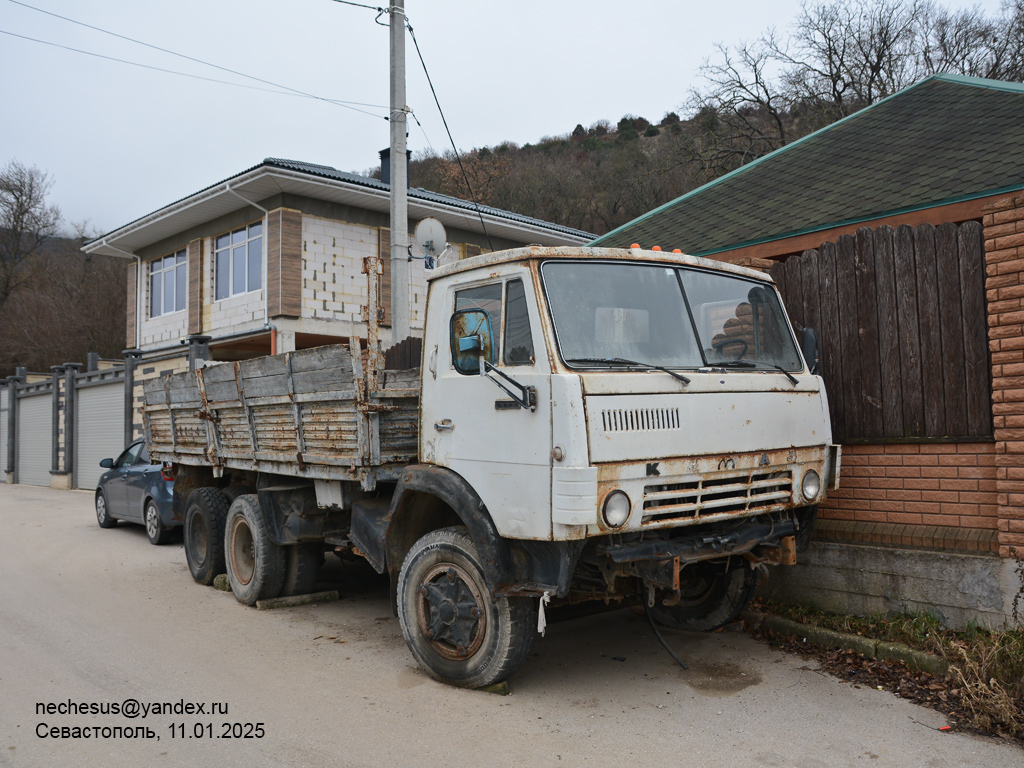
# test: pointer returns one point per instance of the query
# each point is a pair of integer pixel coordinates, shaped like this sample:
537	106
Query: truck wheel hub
448	612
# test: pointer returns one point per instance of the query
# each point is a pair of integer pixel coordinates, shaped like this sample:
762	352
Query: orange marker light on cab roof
635	245
656	248
676	250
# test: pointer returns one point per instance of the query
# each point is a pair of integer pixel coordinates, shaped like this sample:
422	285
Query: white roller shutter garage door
4	415
35	439
100	433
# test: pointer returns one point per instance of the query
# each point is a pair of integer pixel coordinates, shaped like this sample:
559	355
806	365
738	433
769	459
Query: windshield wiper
751	364
623	361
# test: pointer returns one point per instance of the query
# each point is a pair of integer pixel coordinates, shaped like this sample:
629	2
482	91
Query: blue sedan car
136	491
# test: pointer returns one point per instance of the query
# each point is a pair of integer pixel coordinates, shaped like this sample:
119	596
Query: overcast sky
120	141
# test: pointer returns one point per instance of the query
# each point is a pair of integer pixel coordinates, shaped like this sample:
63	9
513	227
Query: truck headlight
810	485
616	509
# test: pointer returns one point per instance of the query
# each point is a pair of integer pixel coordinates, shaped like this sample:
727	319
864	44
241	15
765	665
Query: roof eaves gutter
182	205
431	206
381	196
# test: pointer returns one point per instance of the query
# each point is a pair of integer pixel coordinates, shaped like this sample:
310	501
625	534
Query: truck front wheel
711	595
205	511
456	631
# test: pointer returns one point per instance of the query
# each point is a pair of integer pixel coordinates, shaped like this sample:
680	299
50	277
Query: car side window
143	455
129	457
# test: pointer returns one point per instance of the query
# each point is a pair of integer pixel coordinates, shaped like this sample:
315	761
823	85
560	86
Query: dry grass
986	666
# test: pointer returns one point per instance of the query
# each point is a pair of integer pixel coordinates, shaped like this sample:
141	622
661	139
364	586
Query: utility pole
399	180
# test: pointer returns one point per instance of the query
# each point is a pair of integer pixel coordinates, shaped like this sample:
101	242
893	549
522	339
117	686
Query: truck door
474	428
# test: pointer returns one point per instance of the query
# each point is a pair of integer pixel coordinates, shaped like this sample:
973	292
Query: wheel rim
101	508
243	551
449	612
197	539
152	521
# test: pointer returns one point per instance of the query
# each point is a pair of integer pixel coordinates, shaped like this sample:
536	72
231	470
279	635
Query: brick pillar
1004	283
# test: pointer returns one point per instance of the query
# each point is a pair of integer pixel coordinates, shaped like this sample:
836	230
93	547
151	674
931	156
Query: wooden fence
902	322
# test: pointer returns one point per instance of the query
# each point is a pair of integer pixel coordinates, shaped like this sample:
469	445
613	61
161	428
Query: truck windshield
642	312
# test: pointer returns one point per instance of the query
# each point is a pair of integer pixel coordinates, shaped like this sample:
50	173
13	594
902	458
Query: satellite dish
431	238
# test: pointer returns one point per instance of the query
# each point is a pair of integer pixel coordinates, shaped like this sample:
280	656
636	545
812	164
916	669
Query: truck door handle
444	425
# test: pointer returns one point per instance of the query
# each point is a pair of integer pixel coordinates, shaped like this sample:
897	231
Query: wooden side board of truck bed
311	414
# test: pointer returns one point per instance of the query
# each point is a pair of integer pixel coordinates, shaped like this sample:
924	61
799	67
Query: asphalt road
98	616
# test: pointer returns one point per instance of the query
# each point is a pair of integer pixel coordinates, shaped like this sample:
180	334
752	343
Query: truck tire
103	512
255	564
205	512
456	631
712	596
303	563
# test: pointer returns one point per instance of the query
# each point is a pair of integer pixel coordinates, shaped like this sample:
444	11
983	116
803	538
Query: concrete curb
827	638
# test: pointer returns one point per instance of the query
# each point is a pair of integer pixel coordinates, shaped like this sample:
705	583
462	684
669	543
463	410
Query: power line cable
144	66
170	71
458	157
362	5
346	104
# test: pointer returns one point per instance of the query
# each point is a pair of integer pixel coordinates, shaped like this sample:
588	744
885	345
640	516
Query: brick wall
333	282
1004	268
150	369
936	495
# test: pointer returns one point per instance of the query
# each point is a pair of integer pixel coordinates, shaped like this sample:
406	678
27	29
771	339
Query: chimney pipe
385	166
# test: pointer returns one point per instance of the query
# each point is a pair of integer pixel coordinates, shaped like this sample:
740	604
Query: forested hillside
749	99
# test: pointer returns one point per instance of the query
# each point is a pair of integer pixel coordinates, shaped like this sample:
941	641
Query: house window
168	284
239	261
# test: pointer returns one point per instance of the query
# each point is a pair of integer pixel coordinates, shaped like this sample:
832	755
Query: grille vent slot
639	419
740	493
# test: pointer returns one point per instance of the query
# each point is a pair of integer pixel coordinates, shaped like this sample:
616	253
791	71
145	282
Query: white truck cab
666	391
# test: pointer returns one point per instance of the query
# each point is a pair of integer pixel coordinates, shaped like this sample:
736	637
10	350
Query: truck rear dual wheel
712	595
256	565
205	512
456	631
302	564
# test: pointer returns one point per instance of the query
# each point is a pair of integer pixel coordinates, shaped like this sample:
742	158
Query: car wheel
205	512
103	512
712	595
255	564
155	529
456	631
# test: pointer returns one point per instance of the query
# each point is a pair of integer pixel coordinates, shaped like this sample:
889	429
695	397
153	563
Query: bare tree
743	113
966	42
840	56
26	223
72	304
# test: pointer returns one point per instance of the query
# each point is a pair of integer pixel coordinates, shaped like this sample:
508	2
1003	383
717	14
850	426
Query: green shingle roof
945	139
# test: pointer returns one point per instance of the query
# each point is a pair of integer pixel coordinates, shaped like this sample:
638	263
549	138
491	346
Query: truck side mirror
471	340
809	347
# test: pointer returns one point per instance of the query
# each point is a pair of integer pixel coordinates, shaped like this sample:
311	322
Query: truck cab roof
537	252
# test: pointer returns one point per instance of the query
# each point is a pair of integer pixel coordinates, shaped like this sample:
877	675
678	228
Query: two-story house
271	260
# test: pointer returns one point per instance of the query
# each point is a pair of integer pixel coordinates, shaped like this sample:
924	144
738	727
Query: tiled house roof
943	140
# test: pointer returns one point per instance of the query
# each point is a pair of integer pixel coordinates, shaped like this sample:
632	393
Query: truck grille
740	493
639	419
